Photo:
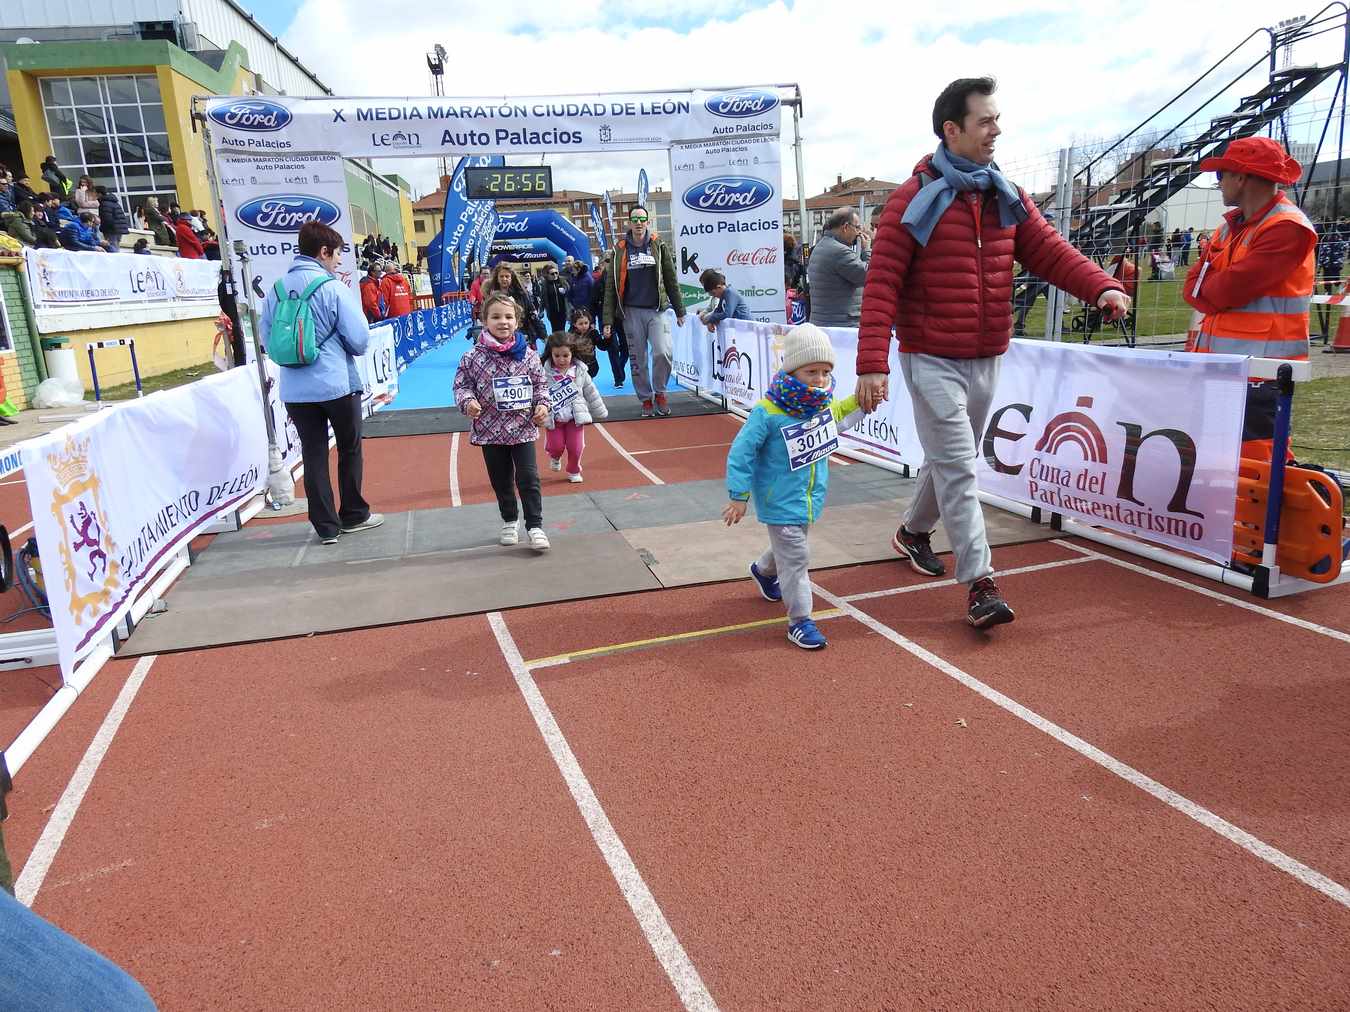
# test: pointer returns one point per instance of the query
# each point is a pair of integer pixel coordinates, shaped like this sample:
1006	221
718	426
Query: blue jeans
43	969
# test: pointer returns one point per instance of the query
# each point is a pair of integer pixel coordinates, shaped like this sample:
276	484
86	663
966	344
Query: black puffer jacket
112	220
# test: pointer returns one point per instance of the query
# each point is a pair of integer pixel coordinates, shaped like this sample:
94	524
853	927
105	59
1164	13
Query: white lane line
672	449
1259	848
869	595
1236	602
674	960
627	456
22	530
454	469
44	851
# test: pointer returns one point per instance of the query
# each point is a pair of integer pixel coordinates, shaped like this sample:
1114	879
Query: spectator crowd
89	217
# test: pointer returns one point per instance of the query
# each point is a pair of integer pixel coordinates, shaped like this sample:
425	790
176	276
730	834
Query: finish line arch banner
408	127
279	161
1142	442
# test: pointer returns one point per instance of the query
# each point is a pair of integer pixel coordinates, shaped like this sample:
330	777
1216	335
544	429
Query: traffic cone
1341	342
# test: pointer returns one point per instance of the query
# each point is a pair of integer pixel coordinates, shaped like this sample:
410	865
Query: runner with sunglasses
638	290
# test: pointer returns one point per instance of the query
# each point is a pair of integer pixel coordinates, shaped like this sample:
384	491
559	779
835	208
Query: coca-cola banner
727	214
268	197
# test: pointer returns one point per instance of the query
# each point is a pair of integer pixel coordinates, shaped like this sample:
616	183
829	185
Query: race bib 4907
512	393
811	440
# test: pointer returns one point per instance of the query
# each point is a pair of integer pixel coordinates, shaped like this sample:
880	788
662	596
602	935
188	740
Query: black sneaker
987	607
918	548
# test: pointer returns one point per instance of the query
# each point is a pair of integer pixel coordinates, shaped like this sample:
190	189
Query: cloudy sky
1069	71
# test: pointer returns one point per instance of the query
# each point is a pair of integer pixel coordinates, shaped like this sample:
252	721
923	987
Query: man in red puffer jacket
941	275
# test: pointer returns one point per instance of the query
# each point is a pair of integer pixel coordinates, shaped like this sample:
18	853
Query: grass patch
1322	422
1159	310
164	381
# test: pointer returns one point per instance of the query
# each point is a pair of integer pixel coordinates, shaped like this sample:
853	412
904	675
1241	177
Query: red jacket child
189	245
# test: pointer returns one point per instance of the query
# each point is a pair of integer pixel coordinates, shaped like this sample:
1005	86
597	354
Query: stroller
1088	320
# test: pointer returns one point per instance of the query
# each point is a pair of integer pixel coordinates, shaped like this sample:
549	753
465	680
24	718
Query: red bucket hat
1256	156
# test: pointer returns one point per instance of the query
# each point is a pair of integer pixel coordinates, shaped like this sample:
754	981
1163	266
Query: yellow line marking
672	638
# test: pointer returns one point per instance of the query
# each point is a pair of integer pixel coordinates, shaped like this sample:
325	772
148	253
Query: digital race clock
505	181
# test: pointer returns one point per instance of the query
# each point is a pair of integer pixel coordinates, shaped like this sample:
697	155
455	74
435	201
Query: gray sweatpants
647	328
951	402
788	558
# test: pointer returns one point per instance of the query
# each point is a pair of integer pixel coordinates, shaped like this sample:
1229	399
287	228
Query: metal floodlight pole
803	224
436	64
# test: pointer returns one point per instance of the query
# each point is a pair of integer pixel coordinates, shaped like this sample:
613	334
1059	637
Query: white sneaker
575	479
371	522
555	463
510	533
538	539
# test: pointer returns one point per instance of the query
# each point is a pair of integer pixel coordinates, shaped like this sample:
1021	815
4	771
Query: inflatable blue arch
533	236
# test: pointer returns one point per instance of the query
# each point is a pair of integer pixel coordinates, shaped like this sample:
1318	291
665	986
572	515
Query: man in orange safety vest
1253	284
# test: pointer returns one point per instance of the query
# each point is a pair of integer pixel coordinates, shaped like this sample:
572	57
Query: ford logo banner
286	212
728	194
741	104
255	115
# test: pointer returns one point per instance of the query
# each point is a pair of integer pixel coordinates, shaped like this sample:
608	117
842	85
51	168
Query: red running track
372	819
413	472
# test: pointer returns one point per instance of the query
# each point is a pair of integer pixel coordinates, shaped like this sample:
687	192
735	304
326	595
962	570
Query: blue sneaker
768	585
805	635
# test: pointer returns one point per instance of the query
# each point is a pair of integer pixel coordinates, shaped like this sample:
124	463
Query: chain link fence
1152	255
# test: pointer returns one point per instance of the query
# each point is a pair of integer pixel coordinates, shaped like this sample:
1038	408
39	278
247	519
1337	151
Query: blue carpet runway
429	382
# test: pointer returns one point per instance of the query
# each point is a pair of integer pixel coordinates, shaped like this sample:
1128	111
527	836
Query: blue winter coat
580	287
76	235
729	307
757	466
335	310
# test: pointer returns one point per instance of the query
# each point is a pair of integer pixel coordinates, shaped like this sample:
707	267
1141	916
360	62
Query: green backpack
291	340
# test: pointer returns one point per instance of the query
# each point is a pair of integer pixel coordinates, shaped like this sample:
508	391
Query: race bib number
512	393
811	440
636	261
561	392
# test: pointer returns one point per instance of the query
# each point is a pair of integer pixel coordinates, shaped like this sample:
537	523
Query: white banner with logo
727	214
400	127
268	198
62	279
107	514
379	370
1143	442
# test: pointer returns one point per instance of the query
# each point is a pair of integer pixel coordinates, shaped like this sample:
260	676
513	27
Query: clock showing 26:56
498	181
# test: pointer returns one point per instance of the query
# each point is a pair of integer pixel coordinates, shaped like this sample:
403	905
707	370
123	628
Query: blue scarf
960	175
796	398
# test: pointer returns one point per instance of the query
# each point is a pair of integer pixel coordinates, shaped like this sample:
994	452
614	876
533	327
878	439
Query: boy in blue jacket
727	303
781	458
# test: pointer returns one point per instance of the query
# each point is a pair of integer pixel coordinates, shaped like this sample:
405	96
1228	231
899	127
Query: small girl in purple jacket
501	386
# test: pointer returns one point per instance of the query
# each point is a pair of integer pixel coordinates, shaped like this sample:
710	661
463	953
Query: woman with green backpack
315	329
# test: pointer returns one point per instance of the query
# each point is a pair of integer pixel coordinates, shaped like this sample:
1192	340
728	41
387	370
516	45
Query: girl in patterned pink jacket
501	386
